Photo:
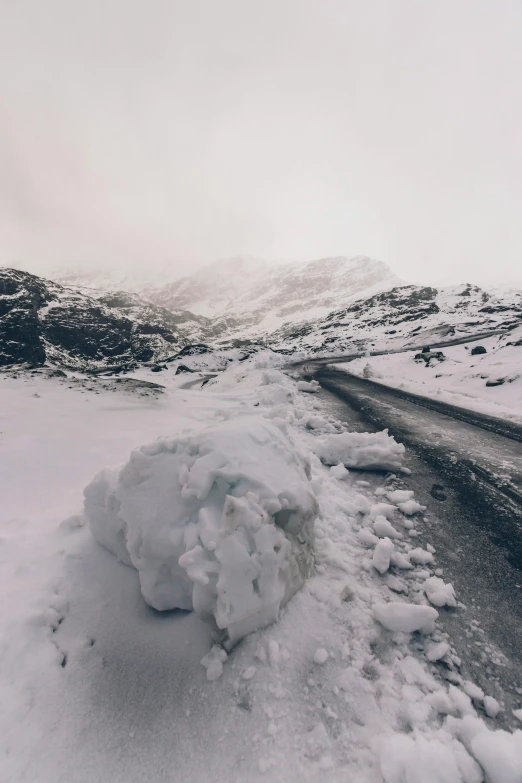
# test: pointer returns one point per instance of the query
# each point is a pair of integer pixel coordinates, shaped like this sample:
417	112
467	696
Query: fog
165	134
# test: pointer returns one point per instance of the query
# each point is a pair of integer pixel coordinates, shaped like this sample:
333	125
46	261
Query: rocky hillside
248	297
88	329
255	298
406	314
42	321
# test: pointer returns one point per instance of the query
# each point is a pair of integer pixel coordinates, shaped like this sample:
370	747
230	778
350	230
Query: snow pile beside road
369	450
220	521
312	387
358	678
489	382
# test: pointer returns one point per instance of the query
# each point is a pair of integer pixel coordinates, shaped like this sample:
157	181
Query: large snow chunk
438	592
499	753
311	387
400	495
384	528
420	556
419	759
410	507
370	450
382	554
220	521
405	617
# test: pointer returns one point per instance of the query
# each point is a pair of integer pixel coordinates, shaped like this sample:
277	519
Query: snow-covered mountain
248	297
403	314
42	321
256	298
290	307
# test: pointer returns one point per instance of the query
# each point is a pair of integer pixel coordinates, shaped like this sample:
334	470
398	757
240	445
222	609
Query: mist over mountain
255	296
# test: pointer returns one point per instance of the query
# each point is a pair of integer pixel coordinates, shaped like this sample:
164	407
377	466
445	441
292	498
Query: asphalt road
468	471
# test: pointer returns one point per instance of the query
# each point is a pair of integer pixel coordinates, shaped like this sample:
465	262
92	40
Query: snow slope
489	383
405	316
249	297
355	681
259	298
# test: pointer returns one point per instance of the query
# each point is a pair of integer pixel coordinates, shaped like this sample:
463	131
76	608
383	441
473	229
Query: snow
499	753
321	656
418	759
410	507
383	527
405	617
312	387
213	662
97	686
435	652
339	472
438	592
367	538
373	451
420	556
459	380
382	555
491	706
400	495
220	521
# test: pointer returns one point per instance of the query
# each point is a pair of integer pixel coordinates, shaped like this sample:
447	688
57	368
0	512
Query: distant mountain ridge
249	297
405	315
334	305
259	298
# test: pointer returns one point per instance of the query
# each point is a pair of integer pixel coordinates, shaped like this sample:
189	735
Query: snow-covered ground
489	383
354	681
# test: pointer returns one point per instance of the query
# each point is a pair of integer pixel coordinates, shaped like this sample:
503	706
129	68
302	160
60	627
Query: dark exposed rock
195	349
478	349
428	355
183	368
41	321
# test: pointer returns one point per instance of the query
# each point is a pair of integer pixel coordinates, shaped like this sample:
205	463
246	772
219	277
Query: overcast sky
157	132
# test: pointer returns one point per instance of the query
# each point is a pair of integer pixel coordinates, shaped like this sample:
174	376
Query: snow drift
370	450
220	521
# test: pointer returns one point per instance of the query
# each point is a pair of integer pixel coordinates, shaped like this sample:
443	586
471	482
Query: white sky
158	132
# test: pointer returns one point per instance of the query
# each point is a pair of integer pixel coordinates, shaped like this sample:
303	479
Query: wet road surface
470	478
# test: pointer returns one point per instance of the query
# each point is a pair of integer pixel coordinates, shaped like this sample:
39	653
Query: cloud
170	133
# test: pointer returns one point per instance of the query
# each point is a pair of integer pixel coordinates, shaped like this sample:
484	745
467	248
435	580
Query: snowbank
490	383
370	450
220	521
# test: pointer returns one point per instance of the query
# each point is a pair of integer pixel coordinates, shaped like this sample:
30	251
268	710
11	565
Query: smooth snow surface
355	680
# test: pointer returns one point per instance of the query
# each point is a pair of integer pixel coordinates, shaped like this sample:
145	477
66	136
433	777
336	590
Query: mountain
405	314
43	321
251	297
247	297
